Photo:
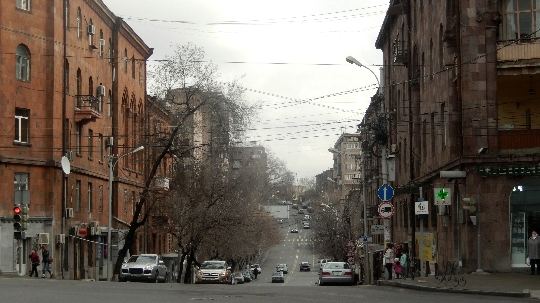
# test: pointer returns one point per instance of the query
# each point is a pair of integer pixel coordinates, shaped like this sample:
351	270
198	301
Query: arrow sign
385	192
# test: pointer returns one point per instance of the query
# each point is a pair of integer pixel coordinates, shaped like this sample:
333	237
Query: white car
144	267
336	272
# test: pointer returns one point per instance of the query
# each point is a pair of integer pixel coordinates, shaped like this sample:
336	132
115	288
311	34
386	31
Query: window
351	145
91	31
78	195
79	88
101	43
140	74
22	123
66	75
90	144
22	63
125	201
125	61
79	23
132	67
78	139
68	15
352	177
90	206
521	19
23	4
100	199
110	50
351	166
100	147
132	202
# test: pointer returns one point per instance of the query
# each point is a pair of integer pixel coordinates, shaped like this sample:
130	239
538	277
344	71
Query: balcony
87	109
519	139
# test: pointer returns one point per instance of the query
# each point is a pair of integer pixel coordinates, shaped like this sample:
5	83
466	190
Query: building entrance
524	217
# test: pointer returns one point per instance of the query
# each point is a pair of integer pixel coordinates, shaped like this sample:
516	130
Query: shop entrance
524	217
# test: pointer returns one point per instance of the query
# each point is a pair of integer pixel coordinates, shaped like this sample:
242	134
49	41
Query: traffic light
24	217
17	218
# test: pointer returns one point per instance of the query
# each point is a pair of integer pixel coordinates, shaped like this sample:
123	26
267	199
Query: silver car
336	272
144	267
213	271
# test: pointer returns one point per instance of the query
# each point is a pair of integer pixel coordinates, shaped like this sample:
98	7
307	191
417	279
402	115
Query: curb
524	294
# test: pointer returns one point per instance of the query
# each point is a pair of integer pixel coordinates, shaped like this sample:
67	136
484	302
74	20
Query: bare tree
188	86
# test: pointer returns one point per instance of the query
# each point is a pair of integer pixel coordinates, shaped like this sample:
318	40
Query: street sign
366	239
377	229
421	208
442	196
386	210
385	192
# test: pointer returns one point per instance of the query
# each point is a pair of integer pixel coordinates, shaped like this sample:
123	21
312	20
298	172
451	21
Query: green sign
512	170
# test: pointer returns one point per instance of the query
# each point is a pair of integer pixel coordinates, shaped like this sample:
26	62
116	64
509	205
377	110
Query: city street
298	286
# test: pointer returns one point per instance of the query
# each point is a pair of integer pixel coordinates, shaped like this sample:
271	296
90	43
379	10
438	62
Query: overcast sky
292	56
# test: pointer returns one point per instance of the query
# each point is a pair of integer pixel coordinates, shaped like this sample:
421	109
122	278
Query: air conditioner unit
60	239
43	238
100	90
69	212
91	29
69	155
109	142
394	148
74	231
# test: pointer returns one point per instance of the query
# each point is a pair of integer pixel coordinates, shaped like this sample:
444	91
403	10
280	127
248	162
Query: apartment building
73	84
461	109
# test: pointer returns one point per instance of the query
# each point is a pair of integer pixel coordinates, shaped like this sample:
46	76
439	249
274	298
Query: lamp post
384	172
112	164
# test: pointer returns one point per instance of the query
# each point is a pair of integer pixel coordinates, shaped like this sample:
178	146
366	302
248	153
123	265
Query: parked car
144	267
305	266
336	272
248	275
306	225
259	269
213	271
300	211
294	206
294	231
277	277
238	277
322	263
283	268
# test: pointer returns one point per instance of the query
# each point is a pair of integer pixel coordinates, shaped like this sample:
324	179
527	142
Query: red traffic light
17	210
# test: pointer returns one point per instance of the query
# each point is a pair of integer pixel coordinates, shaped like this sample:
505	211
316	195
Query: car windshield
142	259
212	265
333	265
278	274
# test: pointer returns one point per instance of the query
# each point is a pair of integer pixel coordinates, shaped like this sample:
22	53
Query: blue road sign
385	192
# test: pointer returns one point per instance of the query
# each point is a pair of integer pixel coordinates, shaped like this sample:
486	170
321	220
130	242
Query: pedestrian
45	262
534	252
255	271
404	264
389	259
397	268
34	258
398	250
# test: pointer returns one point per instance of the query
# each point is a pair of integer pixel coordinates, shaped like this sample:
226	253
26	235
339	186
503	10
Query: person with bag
46	260
34	258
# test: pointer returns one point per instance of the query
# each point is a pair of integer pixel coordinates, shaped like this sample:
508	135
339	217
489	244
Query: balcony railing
87	109
519	139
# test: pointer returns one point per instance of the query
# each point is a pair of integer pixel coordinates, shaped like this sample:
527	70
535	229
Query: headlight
149	266
223	273
124	265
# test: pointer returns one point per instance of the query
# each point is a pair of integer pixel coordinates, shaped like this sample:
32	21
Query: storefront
524	217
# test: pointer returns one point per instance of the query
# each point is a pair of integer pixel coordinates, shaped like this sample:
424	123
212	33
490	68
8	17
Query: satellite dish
66	167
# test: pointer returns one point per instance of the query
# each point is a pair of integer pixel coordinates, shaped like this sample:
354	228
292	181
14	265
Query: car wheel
122	280
155	279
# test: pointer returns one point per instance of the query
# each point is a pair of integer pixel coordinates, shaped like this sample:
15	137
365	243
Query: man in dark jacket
533	249
34	258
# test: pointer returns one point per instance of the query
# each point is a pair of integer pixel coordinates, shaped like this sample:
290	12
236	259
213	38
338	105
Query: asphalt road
299	286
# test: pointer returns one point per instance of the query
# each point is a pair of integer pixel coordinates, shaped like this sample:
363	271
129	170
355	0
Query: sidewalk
515	284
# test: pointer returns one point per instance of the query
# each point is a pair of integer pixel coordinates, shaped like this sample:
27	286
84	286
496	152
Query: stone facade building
461	89
73	84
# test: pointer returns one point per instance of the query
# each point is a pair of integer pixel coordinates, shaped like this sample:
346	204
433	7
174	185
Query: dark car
305	266
277	277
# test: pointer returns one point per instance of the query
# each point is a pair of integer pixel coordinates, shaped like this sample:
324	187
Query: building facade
73	75
461	96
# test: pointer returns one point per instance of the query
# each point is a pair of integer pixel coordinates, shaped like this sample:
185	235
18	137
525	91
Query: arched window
79	88
22	63
101	43
140	74
90	86
79	23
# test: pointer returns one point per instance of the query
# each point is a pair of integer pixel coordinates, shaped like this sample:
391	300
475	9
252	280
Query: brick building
73	75
461	94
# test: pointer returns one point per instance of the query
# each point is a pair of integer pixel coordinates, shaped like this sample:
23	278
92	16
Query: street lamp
112	164
352	60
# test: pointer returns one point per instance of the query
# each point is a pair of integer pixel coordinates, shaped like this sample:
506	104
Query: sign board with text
421	208
377	229
442	196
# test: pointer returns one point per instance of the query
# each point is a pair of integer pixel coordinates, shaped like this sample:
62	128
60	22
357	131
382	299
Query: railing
450	274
